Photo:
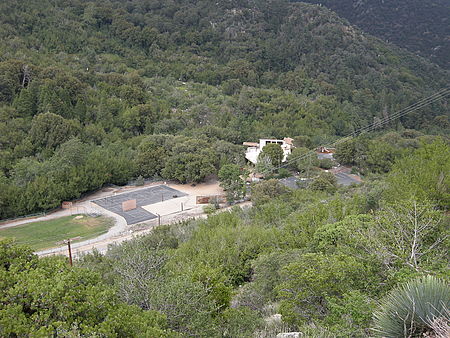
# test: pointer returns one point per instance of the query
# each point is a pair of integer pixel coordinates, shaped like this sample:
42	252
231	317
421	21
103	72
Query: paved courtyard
143	197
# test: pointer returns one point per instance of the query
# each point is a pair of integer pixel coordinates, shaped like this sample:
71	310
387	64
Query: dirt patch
89	222
203	189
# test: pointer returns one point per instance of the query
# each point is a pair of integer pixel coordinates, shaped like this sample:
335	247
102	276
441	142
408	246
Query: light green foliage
185	303
350	315
312	278
231	181
408	233
422	176
346	235
417	308
46	297
226	244
264	166
239	322
45	234
271	214
209	209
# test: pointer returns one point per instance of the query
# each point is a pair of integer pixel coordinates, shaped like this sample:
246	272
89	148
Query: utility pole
70	252
69	248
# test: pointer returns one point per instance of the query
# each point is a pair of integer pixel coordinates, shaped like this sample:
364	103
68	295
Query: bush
283	173
325	182
418	308
326	163
139	181
210	209
263	192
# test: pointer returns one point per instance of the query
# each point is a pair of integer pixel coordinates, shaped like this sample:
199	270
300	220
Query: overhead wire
377	124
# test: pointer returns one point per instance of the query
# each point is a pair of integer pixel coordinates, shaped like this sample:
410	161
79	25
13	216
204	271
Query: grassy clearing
45	234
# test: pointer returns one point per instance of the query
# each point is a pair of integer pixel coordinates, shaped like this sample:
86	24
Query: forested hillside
102	92
325	259
419	26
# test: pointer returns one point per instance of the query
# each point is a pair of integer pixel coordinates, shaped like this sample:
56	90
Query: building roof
288	140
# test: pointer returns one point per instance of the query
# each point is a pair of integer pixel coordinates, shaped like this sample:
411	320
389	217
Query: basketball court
130	205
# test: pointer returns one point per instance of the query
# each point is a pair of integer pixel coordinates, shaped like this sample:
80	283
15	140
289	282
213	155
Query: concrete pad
171	206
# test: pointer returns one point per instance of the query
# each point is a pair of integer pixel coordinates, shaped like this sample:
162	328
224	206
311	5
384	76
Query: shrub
210	209
325	182
414	309
139	181
326	163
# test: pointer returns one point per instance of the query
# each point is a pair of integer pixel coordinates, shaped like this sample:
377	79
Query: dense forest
419	26
105	92
93	93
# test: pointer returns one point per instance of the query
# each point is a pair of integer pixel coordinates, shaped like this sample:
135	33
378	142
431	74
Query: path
121	231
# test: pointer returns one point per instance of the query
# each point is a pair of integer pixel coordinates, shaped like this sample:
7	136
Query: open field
46	234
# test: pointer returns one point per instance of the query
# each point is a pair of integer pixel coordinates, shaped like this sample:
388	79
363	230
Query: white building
254	149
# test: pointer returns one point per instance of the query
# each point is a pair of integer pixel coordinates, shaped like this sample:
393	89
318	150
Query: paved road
346	179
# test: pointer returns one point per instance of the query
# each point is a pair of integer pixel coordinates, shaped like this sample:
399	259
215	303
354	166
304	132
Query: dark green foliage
191	161
326	163
262	192
407	23
151	157
303	160
324	182
273	152
49	130
231	182
105	73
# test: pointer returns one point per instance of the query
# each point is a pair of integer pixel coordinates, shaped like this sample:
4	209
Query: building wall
252	153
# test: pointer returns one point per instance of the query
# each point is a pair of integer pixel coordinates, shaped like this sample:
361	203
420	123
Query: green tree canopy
47	297
231	181
274	152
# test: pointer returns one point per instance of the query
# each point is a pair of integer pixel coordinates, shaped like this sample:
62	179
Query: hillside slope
110	80
423	27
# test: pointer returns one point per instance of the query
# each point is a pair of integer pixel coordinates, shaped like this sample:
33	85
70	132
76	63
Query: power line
409	109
